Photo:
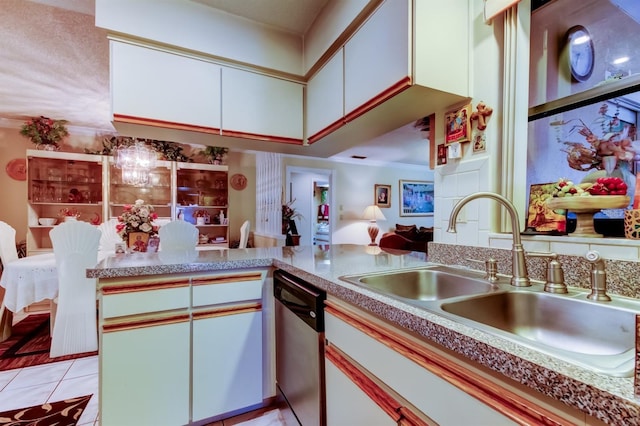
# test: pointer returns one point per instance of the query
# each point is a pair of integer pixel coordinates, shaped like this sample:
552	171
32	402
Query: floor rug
61	413
29	344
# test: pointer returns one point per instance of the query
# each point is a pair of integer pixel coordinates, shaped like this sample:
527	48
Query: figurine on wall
481	114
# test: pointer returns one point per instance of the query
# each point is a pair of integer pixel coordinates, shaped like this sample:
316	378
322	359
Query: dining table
29	280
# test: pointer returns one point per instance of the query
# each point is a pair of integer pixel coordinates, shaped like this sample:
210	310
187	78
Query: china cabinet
61	186
88	187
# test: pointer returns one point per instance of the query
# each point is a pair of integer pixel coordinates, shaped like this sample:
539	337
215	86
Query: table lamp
373	213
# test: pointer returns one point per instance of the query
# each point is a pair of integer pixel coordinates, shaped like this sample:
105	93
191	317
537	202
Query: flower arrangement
616	140
138	217
44	131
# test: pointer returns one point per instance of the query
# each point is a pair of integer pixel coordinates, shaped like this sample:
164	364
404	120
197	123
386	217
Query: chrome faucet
598	277
555	276
519	277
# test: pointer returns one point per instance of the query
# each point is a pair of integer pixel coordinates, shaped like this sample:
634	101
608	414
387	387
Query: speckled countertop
611	399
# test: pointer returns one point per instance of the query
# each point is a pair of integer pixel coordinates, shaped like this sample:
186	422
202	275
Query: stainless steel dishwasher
299	321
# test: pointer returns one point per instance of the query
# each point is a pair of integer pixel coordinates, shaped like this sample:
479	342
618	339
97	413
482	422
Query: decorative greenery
215	153
138	217
44	131
170	151
288	215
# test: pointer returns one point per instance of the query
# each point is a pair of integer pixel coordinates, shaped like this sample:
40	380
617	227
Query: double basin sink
599	336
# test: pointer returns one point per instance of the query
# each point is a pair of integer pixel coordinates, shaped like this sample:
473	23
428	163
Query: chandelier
136	162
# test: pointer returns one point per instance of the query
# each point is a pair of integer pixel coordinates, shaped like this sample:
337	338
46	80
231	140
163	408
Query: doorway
312	191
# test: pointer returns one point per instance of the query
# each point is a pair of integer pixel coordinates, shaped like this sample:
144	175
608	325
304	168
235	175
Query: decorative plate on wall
17	169
238	182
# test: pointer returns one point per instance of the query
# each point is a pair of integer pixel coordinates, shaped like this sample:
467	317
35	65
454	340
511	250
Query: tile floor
25	387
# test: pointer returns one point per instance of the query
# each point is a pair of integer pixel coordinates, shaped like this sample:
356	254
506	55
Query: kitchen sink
424	284
596	335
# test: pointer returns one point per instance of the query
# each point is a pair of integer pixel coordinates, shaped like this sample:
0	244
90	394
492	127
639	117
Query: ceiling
64	74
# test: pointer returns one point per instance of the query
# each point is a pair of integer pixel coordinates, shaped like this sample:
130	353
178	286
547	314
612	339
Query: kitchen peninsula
157	297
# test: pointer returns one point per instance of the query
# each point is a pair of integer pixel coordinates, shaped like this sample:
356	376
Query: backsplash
623	277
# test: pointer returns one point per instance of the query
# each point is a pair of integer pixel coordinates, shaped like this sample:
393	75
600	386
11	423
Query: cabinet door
347	404
166	87
432	394
261	107
202	199
227	361
144	374
377	56
156	193
325	98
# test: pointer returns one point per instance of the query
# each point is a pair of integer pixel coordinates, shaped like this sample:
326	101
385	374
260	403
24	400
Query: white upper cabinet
325	106
377	56
164	87
260	106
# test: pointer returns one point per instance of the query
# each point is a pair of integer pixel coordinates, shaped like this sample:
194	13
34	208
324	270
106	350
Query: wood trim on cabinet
258	137
144	285
164	124
227	310
381	398
327	130
385	95
224	279
150	321
513	406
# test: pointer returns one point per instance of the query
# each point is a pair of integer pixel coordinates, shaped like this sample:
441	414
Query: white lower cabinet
416	381
179	349
227	363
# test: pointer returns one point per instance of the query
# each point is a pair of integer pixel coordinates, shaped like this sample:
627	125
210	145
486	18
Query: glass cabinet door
61	187
156	193
202	199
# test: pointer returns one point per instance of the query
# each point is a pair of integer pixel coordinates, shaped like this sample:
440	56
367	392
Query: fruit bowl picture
585	207
587	198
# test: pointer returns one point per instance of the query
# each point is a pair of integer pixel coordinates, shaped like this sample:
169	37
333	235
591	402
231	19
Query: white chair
8	253
75	329
244	234
178	235
109	236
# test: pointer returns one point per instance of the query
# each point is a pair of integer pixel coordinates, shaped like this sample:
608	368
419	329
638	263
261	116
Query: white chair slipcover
75	329
8	253
109	236
244	234
178	235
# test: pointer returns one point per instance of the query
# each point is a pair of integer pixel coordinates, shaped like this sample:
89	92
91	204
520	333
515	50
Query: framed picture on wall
416	198
382	194
540	218
457	125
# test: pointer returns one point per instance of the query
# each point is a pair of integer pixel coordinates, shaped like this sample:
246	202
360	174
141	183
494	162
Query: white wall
474	171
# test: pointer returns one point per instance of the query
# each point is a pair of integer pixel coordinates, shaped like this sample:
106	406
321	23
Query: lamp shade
374	213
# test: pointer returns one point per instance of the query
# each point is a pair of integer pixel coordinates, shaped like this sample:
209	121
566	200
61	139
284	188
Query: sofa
407	237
